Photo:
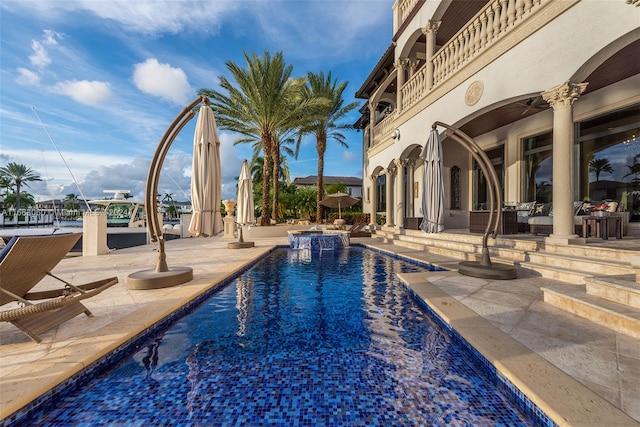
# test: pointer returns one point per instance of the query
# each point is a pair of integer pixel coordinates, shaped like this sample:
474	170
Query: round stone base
494	271
150	279
240	245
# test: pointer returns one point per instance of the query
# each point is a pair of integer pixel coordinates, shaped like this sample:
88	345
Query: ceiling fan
535	103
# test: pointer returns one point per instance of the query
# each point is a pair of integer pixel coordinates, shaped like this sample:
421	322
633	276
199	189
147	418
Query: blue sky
101	80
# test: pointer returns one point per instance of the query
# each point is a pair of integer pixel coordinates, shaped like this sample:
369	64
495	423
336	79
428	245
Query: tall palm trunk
18	184
276	175
321	146
266	180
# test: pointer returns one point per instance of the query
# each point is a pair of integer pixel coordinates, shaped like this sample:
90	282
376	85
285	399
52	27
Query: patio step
570	264
588	266
620	289
556	273
574	299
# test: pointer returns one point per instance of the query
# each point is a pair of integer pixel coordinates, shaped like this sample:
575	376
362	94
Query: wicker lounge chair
360	230
24	262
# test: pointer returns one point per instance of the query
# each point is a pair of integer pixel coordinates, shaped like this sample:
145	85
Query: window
609	159
481	184
538	170
381	193
455	188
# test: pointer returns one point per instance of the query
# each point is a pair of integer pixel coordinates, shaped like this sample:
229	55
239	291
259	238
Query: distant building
353	184
57	207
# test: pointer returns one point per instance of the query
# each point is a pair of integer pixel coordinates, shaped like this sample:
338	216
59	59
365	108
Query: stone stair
599	282
613	302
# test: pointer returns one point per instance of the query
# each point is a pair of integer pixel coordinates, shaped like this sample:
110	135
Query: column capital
373	177
431	27
563	95
399	163
401	63
413	64
391	170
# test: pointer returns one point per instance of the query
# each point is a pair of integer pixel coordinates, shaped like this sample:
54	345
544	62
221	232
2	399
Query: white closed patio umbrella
246	212
433	185
206	178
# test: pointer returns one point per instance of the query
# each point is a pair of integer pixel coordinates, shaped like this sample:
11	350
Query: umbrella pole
240	238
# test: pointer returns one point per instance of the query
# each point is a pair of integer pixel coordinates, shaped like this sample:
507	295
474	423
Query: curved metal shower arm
495	193
490	229
187	113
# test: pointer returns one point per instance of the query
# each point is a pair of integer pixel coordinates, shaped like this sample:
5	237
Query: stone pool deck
579	373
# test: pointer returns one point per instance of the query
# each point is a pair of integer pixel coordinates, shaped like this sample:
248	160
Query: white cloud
50	37
40	57
163	81
28	77
349	156
85	92
153	16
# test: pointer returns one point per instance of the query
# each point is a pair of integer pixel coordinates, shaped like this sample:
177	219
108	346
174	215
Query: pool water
300	339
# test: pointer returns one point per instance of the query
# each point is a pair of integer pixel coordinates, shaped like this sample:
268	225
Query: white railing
414	89
383	130
404	9
493	22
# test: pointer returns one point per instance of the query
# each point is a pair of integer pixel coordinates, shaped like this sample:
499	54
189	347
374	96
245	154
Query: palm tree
5	185
19	174
600	165
171	210
260	105
327	125
265	106
280	168
256	166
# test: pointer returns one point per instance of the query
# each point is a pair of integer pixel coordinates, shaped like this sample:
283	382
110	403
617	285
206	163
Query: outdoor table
600	224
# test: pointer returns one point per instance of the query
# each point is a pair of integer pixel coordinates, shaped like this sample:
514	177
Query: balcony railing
497	19
404	9
383	130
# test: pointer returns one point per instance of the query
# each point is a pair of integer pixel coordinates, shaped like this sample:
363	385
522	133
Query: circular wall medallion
474	93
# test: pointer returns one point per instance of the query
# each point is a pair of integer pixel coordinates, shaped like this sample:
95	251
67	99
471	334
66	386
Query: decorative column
374	200
400	65
430	31
400	192
410	178
389	190
561	99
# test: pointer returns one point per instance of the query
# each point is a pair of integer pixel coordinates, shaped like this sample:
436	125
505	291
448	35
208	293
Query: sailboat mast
63	160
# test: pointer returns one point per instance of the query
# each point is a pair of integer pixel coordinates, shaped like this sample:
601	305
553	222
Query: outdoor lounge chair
24	262
360	230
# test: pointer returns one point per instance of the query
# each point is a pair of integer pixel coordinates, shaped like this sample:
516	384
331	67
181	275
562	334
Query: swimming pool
301	338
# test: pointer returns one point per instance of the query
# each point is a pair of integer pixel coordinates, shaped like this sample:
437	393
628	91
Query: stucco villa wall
549	57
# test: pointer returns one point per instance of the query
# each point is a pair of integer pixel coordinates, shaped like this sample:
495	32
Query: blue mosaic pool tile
376	369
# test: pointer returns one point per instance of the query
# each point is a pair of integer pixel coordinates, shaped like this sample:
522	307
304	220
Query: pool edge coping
538	379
